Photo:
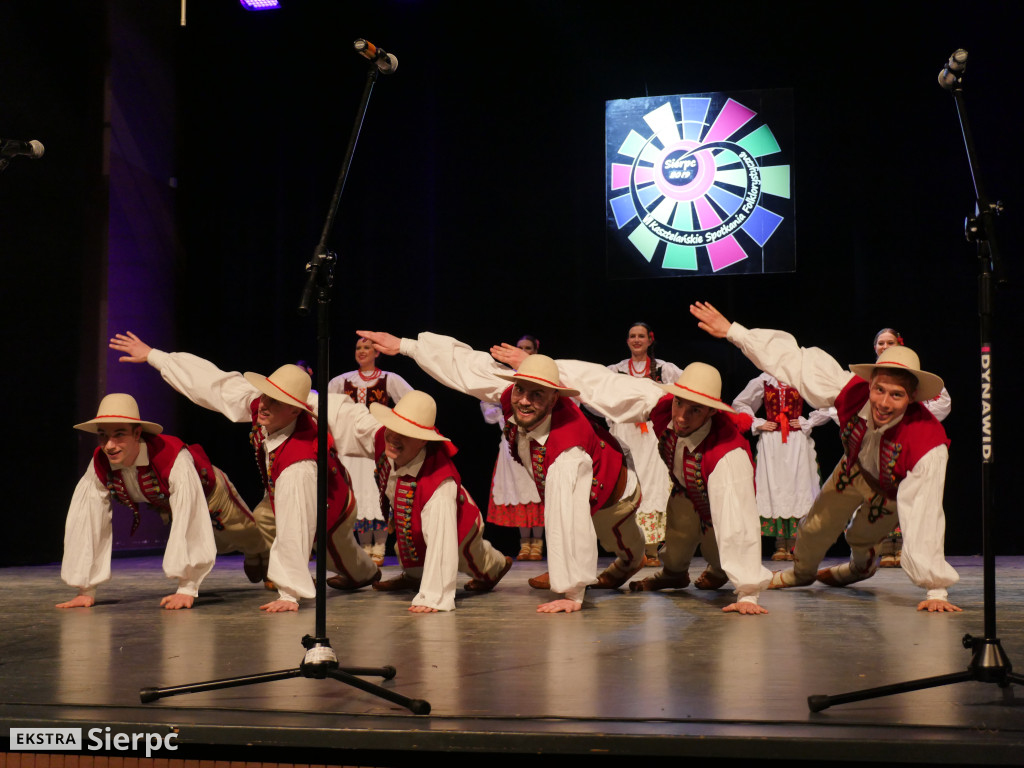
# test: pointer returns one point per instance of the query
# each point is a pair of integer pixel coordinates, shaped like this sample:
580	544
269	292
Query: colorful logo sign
699	184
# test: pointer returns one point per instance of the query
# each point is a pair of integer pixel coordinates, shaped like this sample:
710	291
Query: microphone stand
320	660
989	663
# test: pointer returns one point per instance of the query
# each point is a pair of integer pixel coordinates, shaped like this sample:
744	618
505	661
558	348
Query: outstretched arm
817	376
454	364
202	382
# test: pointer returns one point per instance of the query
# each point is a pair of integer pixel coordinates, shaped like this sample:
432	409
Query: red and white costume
642	443
896	469
576	471
438	527
189	493
514	500
287	463
712	471
380	387
786	473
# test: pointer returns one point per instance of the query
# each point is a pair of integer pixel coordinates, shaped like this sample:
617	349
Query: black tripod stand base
988	665
347	675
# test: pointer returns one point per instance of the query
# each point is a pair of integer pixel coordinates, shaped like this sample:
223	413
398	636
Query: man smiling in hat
581	476
284	438
712	501
894	459
135	463
438	527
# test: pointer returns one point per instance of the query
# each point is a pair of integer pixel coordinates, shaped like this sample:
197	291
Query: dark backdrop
475	203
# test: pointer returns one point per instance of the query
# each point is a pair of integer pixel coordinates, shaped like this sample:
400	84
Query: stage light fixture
259	5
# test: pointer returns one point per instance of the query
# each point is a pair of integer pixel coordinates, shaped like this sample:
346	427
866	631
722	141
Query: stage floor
645	674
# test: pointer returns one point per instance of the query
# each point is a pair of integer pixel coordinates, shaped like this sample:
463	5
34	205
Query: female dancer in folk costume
786	473
514	500
368	384
940	406
641	441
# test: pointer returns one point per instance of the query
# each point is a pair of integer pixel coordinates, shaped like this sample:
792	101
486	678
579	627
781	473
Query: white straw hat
699	383
118	409
539	369
288	384
903	359
413	416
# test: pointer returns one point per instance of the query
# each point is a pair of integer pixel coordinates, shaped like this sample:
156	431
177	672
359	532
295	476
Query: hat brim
396	423
685	393
93	425
264	385
928	384
563	391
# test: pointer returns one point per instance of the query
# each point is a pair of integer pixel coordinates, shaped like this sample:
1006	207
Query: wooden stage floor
648	675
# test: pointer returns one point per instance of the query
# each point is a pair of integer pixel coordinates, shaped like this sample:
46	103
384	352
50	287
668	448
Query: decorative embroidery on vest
696	487
256	439
537	452
667	449
149	484
511	432
405	490
382	471
378	393
889	454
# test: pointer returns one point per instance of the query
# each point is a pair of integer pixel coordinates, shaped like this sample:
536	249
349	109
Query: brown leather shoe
540	582
345	584
402	581
661	580
707	581
485	584
614	576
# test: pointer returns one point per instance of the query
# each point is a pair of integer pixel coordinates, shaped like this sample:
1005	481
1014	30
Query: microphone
13	148
386	62
950	75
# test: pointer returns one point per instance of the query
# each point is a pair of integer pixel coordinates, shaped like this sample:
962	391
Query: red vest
901	446
153	477
724	437
569	429
301	445
412	494
781	404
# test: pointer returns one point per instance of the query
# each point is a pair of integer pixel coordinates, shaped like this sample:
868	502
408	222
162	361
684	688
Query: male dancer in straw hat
284	437
894	459
134	463
581	476
712	501
438	527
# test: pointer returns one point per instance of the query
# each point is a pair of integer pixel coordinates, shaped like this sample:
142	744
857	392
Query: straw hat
288	384
539	369
413	416
118	409
903	359
699	383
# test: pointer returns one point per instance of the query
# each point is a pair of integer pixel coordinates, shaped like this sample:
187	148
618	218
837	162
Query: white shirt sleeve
88	535
572	544
817	376
205	384
457	365
439	519
940	406
191	550
295	516
492	413
350	424
620	399
816	418
737	525
923	522
670	373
